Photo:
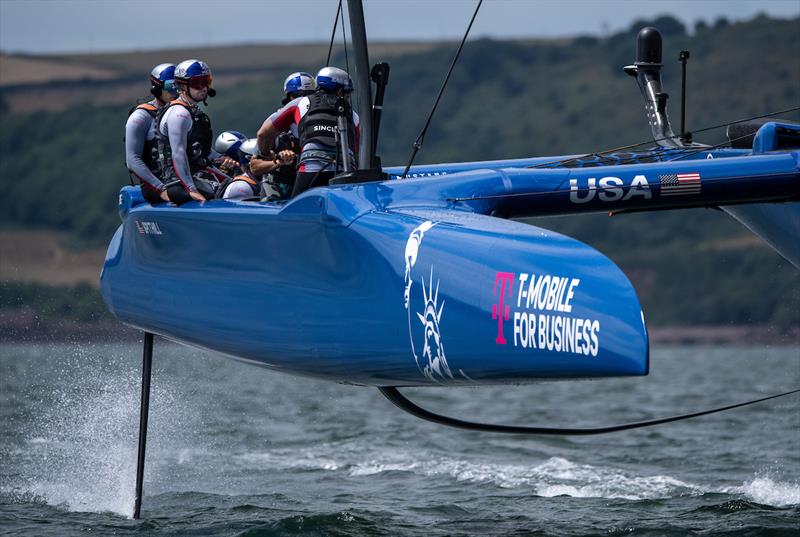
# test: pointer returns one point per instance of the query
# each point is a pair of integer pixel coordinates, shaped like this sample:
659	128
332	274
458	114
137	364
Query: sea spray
83	431
770	486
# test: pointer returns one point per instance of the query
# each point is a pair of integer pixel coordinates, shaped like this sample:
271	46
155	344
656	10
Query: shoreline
21	326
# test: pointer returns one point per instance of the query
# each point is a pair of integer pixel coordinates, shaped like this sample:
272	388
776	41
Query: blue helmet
333	78
298	82
162	77
163	72
195	74
229	142
188	69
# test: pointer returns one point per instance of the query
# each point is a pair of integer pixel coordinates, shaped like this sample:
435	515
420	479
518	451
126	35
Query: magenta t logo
500	311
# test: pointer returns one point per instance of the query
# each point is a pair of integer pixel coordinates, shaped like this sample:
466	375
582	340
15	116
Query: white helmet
163	72
333	78
195	74
228	143
162	78
191	68
299	82
249	147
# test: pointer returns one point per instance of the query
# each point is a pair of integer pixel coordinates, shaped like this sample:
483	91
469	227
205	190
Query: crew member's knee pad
178	194
151	195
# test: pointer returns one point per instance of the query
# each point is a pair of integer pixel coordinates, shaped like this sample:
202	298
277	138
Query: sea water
239	450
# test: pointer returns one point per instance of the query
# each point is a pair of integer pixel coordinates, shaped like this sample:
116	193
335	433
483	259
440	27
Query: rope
344	41
689	153
333	33
421	137
656	140
795	109
673	154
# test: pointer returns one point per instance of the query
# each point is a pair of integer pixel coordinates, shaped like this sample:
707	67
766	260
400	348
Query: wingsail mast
361	79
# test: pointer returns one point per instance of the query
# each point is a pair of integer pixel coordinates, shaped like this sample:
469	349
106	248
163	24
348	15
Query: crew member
296	85
243	183
141	147
185	135
316	117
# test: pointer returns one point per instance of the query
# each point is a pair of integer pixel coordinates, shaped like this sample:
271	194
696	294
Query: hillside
56	83
61	168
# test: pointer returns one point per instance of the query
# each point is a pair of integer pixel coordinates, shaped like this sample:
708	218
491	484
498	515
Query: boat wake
556	476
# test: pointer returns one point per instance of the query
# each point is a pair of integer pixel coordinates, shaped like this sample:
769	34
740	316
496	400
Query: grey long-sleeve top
140	127
176	124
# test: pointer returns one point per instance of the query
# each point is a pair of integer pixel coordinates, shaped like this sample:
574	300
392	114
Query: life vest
150	148
149	108
319	124
198	140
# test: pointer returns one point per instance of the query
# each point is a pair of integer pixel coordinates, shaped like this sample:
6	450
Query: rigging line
676	153
670	137
656	140
673	154
418	142
344	40
695	152
333	33
402	402
795	109
657	155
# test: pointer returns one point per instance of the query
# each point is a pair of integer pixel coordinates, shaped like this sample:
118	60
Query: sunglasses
200	82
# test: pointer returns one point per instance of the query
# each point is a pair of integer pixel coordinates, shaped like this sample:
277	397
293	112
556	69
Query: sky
64	26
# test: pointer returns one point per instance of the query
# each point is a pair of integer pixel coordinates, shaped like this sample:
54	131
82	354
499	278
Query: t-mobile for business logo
503	287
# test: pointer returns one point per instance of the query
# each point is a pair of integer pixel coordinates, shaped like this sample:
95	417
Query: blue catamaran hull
419	281
389	298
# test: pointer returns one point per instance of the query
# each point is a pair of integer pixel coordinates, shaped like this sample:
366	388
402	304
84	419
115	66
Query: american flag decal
679	184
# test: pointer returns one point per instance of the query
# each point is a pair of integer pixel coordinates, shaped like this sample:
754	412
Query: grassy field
44	257
57	82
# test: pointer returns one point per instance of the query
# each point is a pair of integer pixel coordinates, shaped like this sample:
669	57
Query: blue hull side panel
395	297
